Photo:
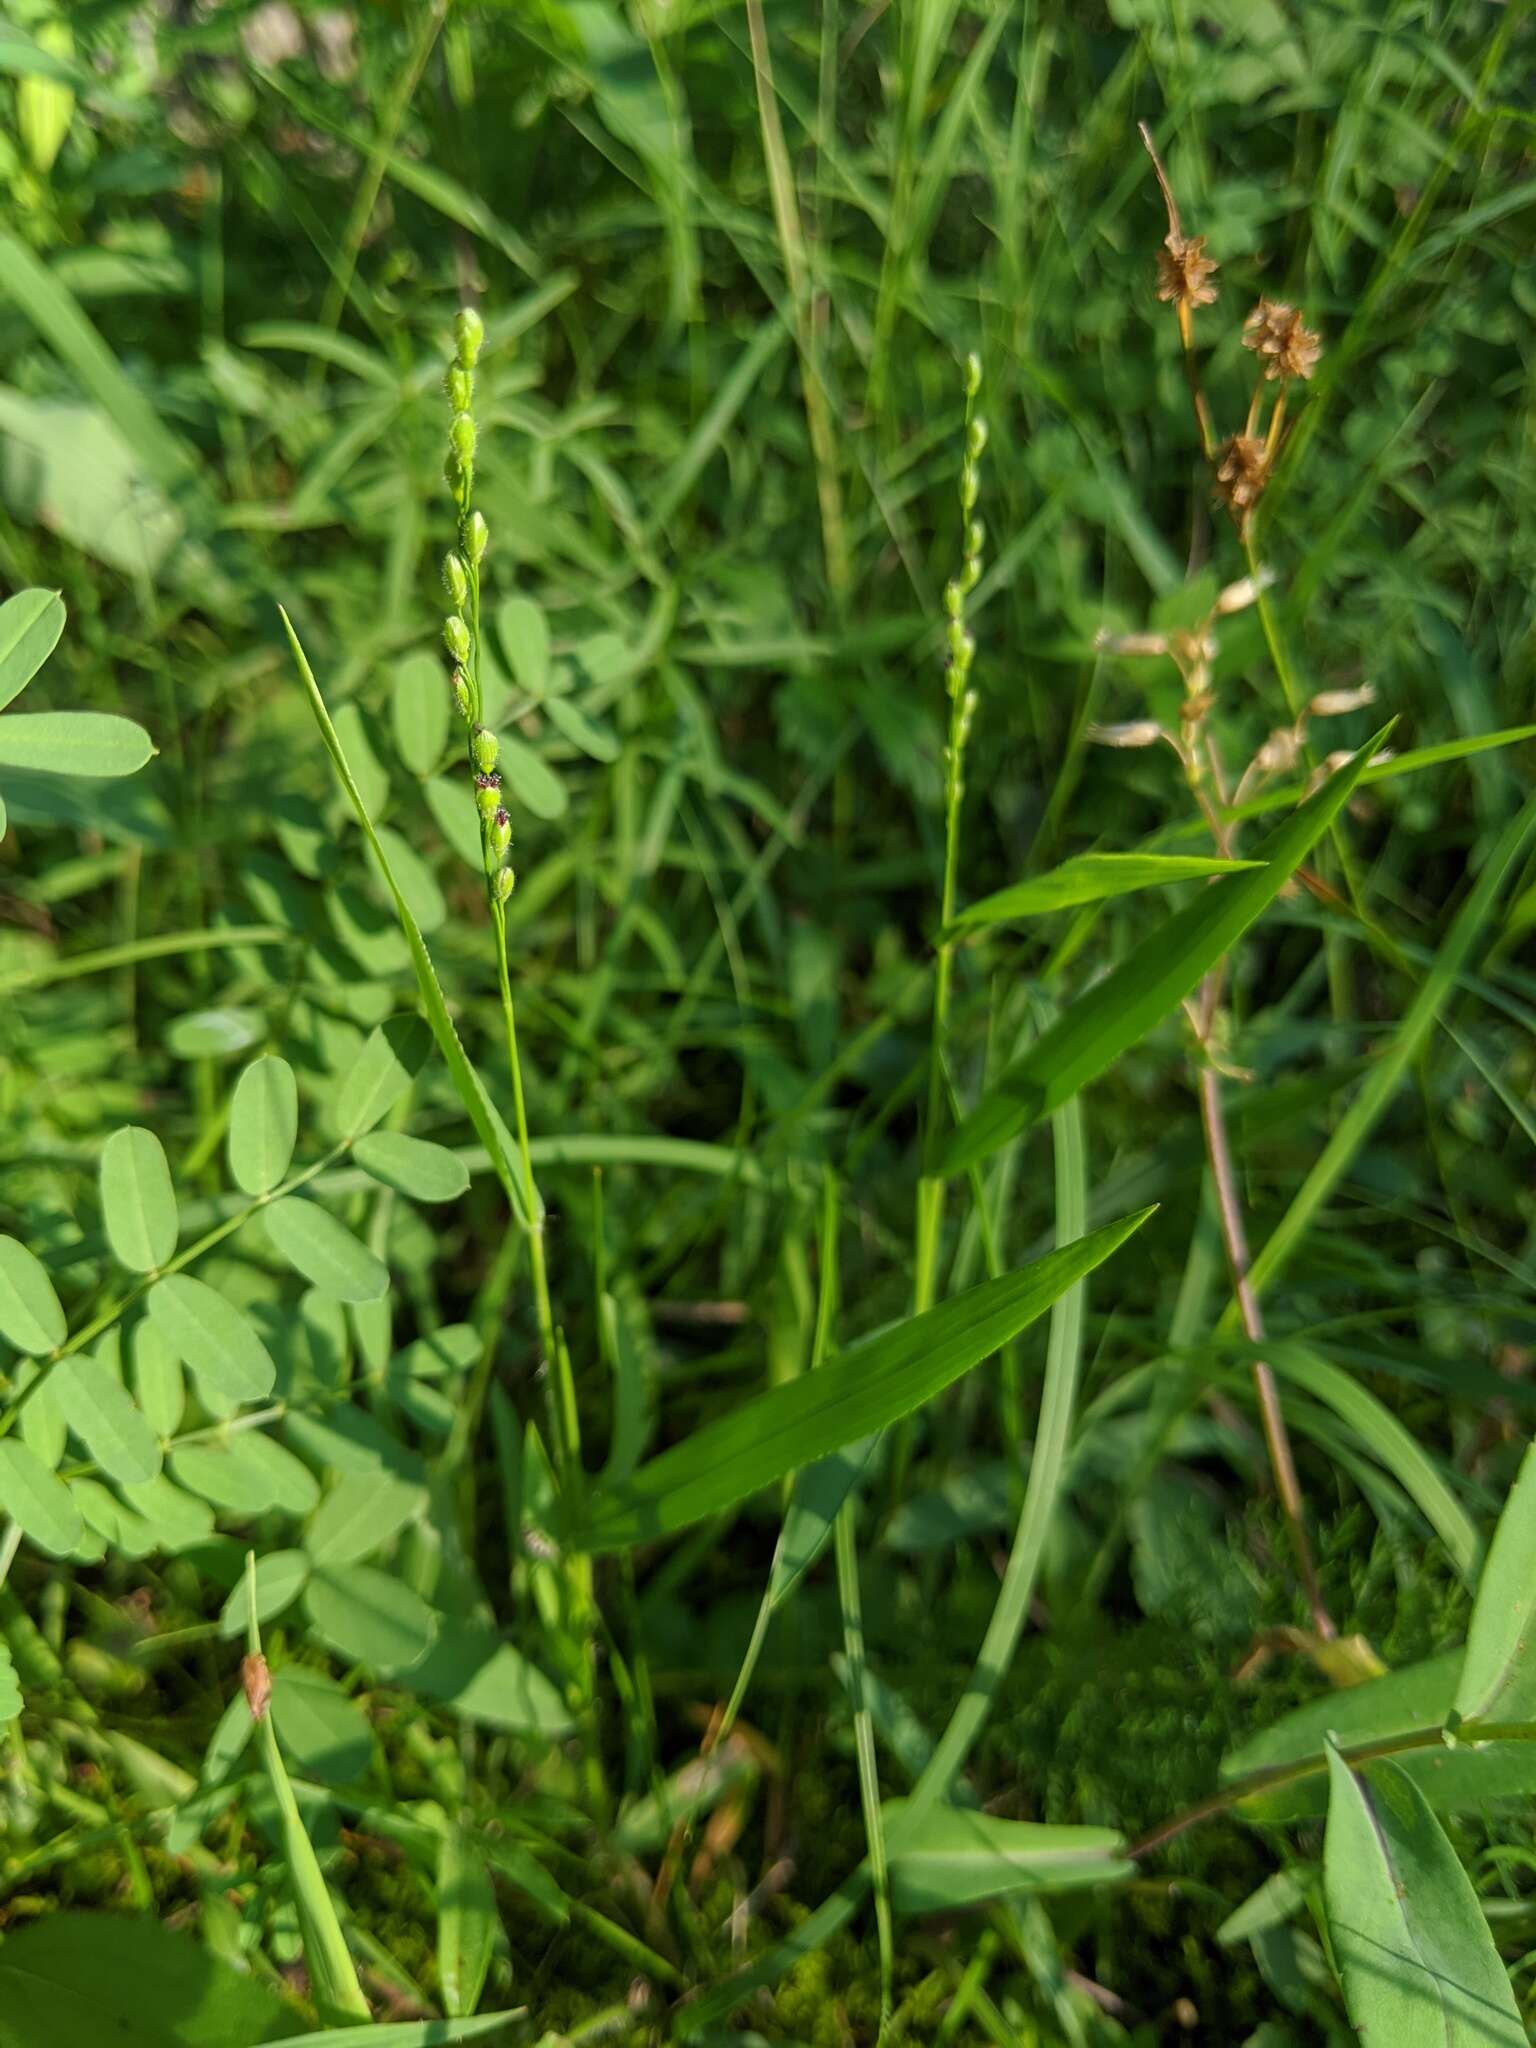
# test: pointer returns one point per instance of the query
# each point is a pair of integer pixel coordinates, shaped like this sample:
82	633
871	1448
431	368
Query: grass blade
868	1387
1165	968
1498	1678
1090	878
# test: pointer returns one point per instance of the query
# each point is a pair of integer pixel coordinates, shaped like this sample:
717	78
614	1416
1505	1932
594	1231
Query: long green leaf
1386	1075
1410	1939
1163	969
30	625
138	1202
95	744
869	1387
263	1125
1091	877
466	1922
951	1857
1498	1677
471	1090
405	2033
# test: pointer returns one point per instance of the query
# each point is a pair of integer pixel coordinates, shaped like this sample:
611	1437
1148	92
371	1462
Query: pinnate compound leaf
37	1500
30	1315
951	1857
467	1922
1410	1940
1162	970
211	1338
413	1166
325	1251
138	1202
369	1617
1498	1675
106	1419
81	1980
869	1386
263	1125
1090	878
97	744
30	625
388	1064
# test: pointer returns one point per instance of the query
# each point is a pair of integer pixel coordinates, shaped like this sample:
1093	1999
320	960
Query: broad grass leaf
37	1500
212	1338
81	1980
138	1201
1090	878
871	1385
106	1419
280	1578
1119	1010
30	1315
419	707
390	1061
1498	1674
365	1615
1410	1940
359	1515
336	1263
323	1732
817	1496
263	1125
951	1857
413	1166
30	625
1467	1777
97	744
467	1922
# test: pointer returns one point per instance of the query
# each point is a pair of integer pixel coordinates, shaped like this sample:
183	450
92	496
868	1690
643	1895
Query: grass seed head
1286	347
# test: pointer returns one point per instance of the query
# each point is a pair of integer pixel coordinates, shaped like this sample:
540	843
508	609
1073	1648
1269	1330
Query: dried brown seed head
1184	271
1285	346
1242	470
257	1680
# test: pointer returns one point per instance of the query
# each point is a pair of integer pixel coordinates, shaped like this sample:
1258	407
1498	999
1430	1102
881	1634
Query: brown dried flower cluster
1242	470
1285	346
1184	271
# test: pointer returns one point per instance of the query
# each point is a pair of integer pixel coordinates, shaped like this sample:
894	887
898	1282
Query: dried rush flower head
1285	346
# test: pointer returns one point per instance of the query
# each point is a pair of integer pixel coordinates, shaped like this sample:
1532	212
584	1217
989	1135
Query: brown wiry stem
1276	1437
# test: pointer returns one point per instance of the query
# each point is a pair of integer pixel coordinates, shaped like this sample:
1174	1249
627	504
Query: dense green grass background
721	429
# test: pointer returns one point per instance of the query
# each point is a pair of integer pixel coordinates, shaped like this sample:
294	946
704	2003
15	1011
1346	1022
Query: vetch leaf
323	1731
10	1687
385	1069
30	1315
365	1615
138	1202
524	636
951	1857
280	1577
212	1338
1089	878
467	1922
37	1500
1162	970
529	779
30	625
106	1419
263	1125
425	1172
159	1384
97	744
325	1251
593	738
359	1516
488	1681
868	1387
214	1034
1498	1675
419	702
1409	1938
